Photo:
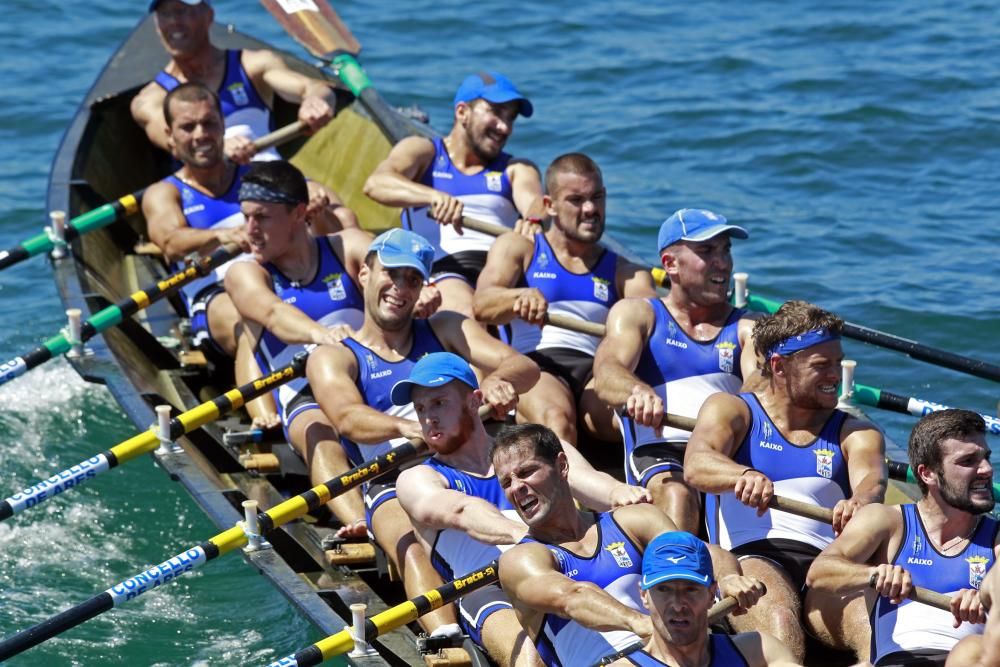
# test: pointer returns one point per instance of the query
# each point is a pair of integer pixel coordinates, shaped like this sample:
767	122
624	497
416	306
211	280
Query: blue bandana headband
802	341
256	192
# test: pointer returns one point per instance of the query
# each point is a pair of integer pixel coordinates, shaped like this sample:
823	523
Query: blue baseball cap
155	3
676	555
399	247
695	224
433	370
492	87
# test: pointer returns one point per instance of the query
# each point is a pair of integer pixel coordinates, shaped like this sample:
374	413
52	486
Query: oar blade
315	25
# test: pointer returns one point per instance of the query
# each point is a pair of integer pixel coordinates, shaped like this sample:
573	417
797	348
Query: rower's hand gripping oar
104	215
316	26
149	440
115	314
391	618
226	541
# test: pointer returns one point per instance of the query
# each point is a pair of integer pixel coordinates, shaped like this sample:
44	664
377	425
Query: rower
563	271
677	588
787	438
981	650
437	181
301	290
574	579
672	353
352	380
944	542
246	83
196	209
457	507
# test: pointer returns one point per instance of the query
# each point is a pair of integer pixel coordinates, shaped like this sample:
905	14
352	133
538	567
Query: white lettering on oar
158	574
292	6
12	369
287	661
45	489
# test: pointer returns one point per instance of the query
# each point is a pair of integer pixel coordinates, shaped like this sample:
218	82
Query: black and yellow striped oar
102	216
113	315
147	441
196	556
392	618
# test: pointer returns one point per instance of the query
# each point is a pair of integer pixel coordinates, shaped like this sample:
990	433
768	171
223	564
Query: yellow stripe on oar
660	277
226	541
137	444
130	204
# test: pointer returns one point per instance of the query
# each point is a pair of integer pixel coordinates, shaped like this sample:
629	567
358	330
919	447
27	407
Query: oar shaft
280	136
101	216
113	315
392	618
922	595
814	512
147	441
722	608
909	405
909	347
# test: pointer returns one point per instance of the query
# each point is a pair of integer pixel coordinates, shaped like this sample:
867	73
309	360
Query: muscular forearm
365	425
615	383
181	242
292	326
495	305
391	189
520	371
590	487
593	608
485	523
871	489
712	472
835	574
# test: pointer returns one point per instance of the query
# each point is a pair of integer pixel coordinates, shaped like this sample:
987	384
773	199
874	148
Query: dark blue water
859	143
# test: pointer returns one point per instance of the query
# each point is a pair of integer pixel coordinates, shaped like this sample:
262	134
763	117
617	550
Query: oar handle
821	514
484	227
573	324
725	606
280	136
923	595
678	421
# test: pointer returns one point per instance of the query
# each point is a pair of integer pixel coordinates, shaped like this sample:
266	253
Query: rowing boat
145	361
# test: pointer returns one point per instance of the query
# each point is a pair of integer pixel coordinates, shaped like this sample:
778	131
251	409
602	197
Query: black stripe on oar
59	623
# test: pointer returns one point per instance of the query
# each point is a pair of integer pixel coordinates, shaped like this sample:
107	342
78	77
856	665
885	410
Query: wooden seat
448	657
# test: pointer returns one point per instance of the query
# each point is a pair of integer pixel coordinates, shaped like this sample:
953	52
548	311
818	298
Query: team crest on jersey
767	430
187	196
460	486
370	360
543	259
824	462
601	289
977	570
239	93
727	355
617	550
335	286
494	181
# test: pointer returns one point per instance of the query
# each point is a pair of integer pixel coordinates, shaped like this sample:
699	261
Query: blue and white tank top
376	376
815	473
582	296
330	297
486	195
912	625
203	211
616	566
243	109
722	652
453	552
684	372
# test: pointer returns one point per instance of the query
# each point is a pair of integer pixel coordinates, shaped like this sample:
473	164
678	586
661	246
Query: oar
909	347
392	618
147	441
198	555
316	26
221	544
104	215
113	315
908	405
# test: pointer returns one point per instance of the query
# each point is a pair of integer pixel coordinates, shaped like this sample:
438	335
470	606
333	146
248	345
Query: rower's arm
428	501
147	111
393	183
528	575
598	490
762	648
628	326
262	410
845	566
501	363
526	188
864	449
634	281
708	465
331	371
496	289
249	286
169	230
267	67
749	362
